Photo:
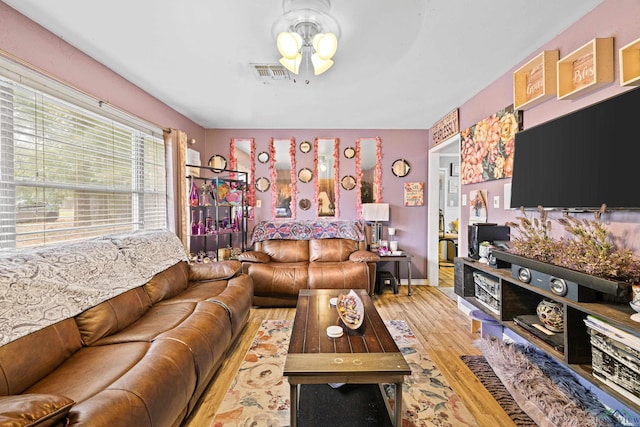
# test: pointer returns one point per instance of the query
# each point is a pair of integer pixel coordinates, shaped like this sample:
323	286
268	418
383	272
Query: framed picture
414	193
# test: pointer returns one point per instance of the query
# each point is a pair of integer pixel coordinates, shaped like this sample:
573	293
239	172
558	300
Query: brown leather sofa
279	268
141	358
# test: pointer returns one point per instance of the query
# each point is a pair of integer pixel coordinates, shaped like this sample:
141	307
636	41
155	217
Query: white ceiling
400	64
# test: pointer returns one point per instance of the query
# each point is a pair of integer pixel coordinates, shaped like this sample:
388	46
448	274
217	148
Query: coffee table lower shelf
348	368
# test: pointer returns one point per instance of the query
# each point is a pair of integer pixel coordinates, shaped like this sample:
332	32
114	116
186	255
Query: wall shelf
585	69
629	58
535	81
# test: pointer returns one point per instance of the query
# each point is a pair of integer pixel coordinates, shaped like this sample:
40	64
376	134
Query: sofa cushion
286	250
113	315
158	319
331	250
339	275
280	278
214	270
41	410
168	283
90	370
27	360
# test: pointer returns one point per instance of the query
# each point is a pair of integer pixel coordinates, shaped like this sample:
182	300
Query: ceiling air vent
271	72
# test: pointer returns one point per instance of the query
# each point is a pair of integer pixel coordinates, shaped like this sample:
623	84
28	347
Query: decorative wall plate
305	146
348	182
304	204
400	168
217	163
262	184
263	157
349	152
305	175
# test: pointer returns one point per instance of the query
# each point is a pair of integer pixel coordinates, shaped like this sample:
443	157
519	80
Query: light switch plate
464	200
496	201
258	203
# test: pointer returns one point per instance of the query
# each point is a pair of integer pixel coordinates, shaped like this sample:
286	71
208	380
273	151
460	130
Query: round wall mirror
349	152
262	184
348	182
400	168
305	146
263	157
305	175
304	204
217	163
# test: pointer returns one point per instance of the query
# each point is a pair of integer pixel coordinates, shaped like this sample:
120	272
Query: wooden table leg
397	407
293	399
409	276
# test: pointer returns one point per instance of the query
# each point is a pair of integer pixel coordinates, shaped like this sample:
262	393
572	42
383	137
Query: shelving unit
535	81
520	299
220	215
586	68
629	58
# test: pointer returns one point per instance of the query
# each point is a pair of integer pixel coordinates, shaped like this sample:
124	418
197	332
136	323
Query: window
68	172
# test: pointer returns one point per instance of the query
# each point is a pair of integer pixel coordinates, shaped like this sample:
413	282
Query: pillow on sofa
214	270
42	410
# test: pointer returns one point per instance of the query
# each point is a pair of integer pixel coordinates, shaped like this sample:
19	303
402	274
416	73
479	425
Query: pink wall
613	18
410	222
24	39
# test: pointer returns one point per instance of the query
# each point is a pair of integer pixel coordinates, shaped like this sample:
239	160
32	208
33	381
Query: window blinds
68	173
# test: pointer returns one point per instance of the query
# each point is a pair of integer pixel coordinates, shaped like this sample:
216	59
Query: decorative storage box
615	358
487	291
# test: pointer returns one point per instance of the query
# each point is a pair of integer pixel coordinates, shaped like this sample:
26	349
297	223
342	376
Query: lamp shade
375	211
325	45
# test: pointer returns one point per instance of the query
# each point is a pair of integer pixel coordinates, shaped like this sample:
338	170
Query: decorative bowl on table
351	310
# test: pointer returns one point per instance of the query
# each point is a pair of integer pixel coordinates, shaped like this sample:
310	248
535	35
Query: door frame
433	193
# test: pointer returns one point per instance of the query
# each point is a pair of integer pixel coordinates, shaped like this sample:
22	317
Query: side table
397	259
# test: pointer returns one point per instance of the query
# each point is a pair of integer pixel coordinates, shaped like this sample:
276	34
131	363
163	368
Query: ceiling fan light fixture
325	45
289	44
292	65
320	65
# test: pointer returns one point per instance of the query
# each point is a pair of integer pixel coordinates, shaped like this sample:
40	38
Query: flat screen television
581	160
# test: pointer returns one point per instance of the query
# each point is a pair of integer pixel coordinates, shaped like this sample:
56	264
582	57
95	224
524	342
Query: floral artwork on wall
487	147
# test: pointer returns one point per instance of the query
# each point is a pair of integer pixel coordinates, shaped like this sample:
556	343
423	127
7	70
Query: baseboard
414	282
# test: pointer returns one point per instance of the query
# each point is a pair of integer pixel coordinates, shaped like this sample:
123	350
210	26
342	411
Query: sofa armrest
214	270
254	256
42	410
364	256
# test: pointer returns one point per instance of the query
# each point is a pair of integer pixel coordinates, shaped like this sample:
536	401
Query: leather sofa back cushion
168	283
113	315
331	250
27	360
286	250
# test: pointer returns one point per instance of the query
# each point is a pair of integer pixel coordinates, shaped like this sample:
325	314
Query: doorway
449	149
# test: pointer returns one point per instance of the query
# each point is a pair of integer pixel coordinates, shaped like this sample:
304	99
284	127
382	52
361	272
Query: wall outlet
258	203
496	201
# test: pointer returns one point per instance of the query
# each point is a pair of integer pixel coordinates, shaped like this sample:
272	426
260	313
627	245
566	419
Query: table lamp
374	213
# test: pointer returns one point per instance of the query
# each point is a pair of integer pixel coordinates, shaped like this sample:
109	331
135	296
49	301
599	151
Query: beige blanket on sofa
42	286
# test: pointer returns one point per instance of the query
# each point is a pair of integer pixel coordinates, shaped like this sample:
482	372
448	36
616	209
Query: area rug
544	389
259	394
482	370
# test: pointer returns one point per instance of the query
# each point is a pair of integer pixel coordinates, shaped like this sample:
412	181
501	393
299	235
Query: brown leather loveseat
290	256
142	356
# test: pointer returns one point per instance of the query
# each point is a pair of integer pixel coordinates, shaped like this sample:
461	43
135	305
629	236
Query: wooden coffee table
368	355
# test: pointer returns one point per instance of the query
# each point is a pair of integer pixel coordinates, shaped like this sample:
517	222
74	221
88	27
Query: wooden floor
437	323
